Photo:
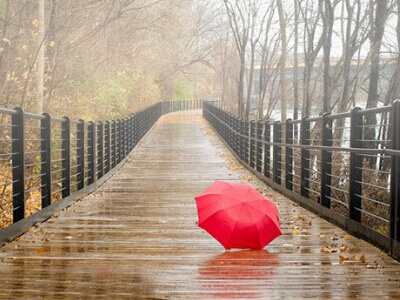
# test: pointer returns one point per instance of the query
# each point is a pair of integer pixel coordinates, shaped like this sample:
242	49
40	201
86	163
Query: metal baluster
305	157
326	164
267	149
81	154
355	165
91	153
289	155
66	157
45	154
277	157
100	150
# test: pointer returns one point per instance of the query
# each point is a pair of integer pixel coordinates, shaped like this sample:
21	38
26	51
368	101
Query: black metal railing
345	167
181	105
45	159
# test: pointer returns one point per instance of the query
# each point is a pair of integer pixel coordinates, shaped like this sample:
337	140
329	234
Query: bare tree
283	60
268	56
327	20
239	16
296	62
378	17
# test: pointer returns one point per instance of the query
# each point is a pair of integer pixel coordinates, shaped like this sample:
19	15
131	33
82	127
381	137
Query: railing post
223	127
289	155
395	180
305	157
252	143
259	146
267	149
118	132
45	161
100	150
126	122
232	130
125	144
81	154
229	130
66	157
18	163
130	133
91	153
241	139
107	147
124	135
277	157
355	165
135	130
114	144
237	137
121	140
326	161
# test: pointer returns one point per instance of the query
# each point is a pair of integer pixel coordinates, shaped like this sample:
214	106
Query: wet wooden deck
136	238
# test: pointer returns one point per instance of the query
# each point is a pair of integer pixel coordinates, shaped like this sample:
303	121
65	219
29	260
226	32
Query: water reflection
238	274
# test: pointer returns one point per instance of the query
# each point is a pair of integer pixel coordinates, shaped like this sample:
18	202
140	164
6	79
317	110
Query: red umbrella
238	216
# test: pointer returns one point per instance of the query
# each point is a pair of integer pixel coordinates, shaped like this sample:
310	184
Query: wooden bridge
136	237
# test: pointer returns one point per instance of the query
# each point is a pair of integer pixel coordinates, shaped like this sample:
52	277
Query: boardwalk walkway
136	238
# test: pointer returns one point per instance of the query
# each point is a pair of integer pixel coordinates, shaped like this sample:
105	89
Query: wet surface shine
136	238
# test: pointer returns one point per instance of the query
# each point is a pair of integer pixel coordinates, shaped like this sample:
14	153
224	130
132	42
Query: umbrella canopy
238	216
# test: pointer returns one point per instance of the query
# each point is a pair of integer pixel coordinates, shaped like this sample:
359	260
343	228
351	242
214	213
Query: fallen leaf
363	259
41	250
295	231
347	237
343	258
325	249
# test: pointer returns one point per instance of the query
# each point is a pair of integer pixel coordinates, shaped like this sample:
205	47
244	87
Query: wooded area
99	58
297	57
306	57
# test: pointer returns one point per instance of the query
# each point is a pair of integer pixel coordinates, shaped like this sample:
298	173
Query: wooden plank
136	238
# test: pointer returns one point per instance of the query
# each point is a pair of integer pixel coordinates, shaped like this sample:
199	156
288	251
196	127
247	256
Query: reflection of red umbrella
240	264
238	216
227	275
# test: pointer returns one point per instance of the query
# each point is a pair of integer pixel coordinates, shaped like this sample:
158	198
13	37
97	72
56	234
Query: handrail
313	147
342	190
95	148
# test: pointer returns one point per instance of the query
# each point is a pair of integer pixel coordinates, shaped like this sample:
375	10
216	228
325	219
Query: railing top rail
375	110
7	111
331	116
33	115
383	151
338	116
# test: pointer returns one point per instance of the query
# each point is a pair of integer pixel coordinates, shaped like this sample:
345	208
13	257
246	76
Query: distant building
387	69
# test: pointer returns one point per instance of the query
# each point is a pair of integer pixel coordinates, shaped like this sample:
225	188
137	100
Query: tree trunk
41	59
242	75
296	62
376	36
282	62
250	82
327	36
